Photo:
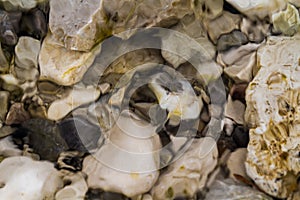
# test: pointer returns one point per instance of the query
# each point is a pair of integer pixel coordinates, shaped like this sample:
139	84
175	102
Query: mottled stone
8	34
236	163
255	30
63	66
21	5
4	97
273	115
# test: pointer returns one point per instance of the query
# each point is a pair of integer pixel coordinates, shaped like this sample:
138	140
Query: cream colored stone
273	115
77	24
287	21
258	8
128	162
189	173
207	8
73	99
235	110
236	163
4	64
23	5
65	67
26	60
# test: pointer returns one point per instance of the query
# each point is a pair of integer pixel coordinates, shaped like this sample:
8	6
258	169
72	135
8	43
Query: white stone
23	178
65	67
189	173
128	162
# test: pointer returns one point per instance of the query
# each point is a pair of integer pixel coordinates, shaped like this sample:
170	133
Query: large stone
273	115
63	66
77	24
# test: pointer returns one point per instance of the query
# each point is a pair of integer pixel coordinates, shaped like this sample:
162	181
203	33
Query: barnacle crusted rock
273	113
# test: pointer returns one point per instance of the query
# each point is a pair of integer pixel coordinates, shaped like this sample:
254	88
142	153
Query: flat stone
62	66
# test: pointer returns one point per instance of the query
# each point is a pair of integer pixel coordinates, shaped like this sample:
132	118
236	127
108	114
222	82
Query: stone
235	110
16	114
224	24
207	9
238	92
233	191
80	26
258	8
287	21
128	162
295	3
63	66
20	5
233	39
188	174
4	63
273	117
4	98
72	99
27	51
240	136
19	174
8	148
256	30
236	163
8	34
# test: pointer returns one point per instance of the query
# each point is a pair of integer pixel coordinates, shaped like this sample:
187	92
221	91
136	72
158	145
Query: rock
233	191
238	92
96	194
228	126
236	163
139	172
207	9
80	26
258	8
44	138
17	114
75	190
234	39
76	97
26	60
188	174
80	134
240	136
224	24
4	98
287	21
70	161
8	147
41	178
235	110
8	34
6	130
272	114
4	63
20	5
177	48
34	23
295	3
255	30
64	67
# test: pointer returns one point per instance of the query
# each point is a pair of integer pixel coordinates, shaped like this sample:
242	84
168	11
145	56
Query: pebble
8	34
16	114
236	163
4	97
235	110
235	38
241	136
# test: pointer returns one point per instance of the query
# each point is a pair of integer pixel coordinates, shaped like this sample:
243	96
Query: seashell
189	173
272	100
287	21
133	145
64	67
258	8
19	169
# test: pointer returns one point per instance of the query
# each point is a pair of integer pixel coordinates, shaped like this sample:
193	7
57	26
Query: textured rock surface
23	5
20	174
189	173
63	66
273	115
79	26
